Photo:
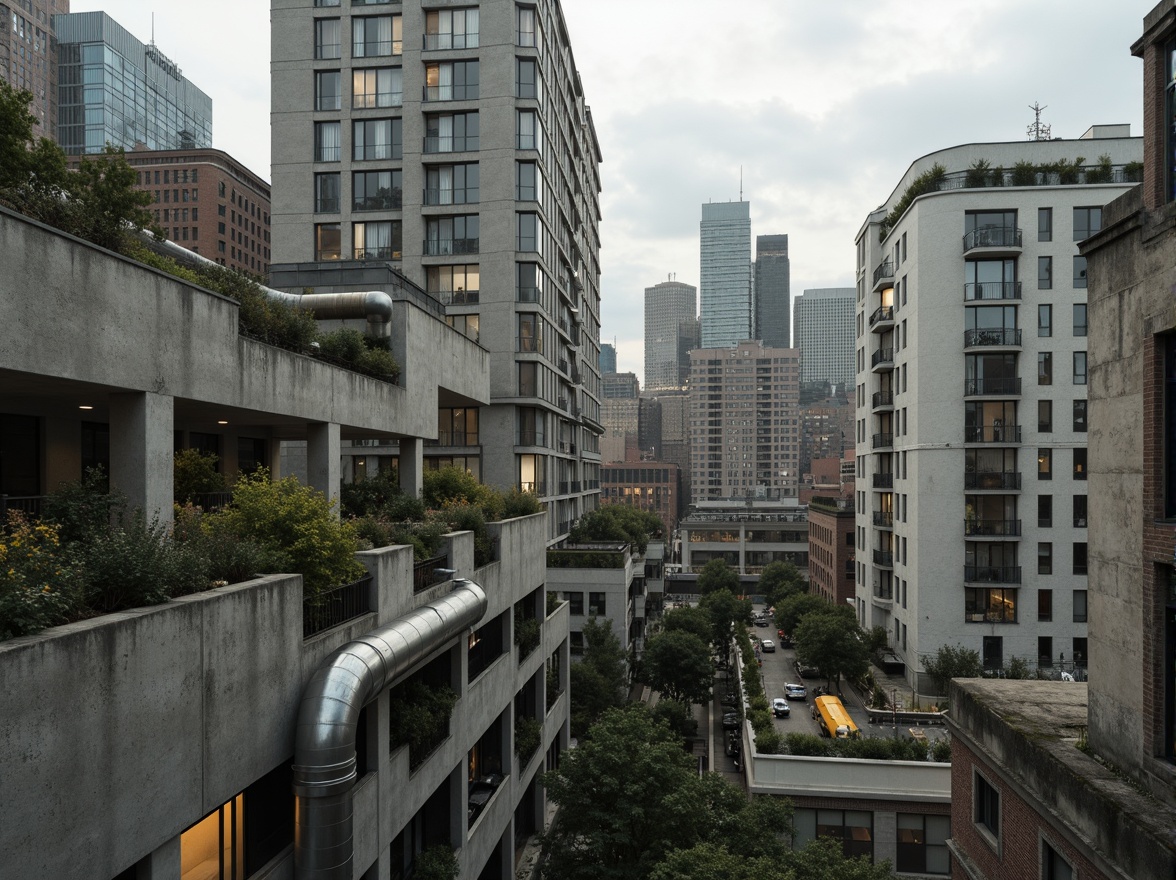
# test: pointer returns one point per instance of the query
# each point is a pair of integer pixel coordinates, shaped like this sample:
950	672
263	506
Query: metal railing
884	270
882	356
883	441
451	144
29	505
992	574
459	297
882	314
884	481
883	398
446	247
335	606
992	528
993	237
464	196
884	518
992	290
429	572
998	385
992	480
884	557
993	434
992	337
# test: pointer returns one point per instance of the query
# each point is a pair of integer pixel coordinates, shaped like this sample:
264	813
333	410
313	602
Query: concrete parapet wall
917	781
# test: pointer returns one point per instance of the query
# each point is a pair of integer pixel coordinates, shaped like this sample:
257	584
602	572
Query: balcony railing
336	606
992	480
993	434
992	290
883	481
883	441
29	505
992	574
884	518
451	144
535	487
466	196
884	558
377	253
882	315
447	247
992	528
884	270
1000	385
882	356
993	237
883	398
428	572
992	337
529	344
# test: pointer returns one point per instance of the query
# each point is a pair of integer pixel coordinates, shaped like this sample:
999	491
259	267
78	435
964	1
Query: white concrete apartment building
971	399
453	144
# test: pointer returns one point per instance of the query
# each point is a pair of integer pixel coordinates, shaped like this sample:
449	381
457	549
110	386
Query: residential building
826	429
649	428
671	310
675	438
831	549
392	153
621	419
620	386
772	292
28	56
747	535
744	436
825	337
725	276
114	89
608	358
971	409
192	753
209	203
602	581
654	486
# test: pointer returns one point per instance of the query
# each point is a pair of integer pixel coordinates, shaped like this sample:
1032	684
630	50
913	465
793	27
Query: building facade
825	337
114	89
772	292
972	412
725	273
747	535
654	486
826	429
28	56
605	582
608	358
831	549
671	310
744	436
456	145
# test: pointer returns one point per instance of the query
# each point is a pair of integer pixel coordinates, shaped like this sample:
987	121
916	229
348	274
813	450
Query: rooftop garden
612	524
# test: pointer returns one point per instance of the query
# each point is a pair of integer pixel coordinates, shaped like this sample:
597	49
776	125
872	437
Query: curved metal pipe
374	305
324	739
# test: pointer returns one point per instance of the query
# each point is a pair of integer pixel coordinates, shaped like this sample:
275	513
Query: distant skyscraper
620	386
773	302
28	57
825	335
147	100
608	358
725	278
670	310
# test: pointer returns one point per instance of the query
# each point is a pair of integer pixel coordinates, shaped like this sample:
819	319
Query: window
376	139
326	144
1079	368
326	193
451	29
1045	224
451	133
1079	319
986	808
1053	866
376	36
445	236
1045	605
451	81
527	83
575	602
528	182
376	190
1079	272
922	844
1044	511
596	605
853	828
380	240
528	378
1045	416
1044	368
457	426
1044	273
216	844
531	423
1044	464
1087	221
458	284
327	241
1045	320
377	87
1080	568
326	2
529	229
1166	410
528	34
1080	416
327	42
1079	511
452	184
1080	464
991	604
1045	558
528	131
327	93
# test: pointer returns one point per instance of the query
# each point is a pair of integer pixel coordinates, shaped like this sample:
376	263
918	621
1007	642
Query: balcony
992	574
529	344
882	441
448	247
451	144
883	400
992	338
993	434
884	481
992	290
377	253
884	519
882	360
884	558
1000	386
882	319
562	364
992	528
992	480
468	196
459	297
884	273
994	240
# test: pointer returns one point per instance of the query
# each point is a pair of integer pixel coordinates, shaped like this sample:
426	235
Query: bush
467	517
978	175
420	717
677	716
1133	172
38	586
436	863
527	634
528	734
769	742
452	484
231	558
941	751
1024	174
83	509
194	472
517	503
927	182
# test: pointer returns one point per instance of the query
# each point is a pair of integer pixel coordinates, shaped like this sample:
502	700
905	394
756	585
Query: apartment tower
28	56
725	276
824	335
671	308
772	294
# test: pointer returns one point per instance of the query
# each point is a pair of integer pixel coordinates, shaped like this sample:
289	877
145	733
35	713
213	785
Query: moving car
795	691
780	708
769	647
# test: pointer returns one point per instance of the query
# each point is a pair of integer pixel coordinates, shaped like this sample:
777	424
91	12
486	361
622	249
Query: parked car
780	708
730	700
768	646
733	745
795	691
806	671
731	721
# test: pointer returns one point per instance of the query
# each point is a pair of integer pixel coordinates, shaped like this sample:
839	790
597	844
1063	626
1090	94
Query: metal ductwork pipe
374	305
324	740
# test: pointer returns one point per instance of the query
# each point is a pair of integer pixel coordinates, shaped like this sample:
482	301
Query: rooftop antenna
1037	131
741	183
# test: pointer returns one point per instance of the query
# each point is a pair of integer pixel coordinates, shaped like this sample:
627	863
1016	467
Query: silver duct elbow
324	739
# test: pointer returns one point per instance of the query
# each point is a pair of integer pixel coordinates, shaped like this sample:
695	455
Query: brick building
650	485
28	56
831	548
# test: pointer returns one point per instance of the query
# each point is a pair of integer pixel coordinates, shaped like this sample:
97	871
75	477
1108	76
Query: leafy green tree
677	664
823	859
454	485
108	199
677	716
717	575
831	641
712	861
598	680
617	522
793	610
780	581
952	662
691	619
724	609
195	472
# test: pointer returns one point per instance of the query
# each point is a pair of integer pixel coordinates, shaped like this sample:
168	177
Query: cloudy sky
822	103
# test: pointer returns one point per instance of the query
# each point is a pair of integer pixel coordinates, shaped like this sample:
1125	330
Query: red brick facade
831	551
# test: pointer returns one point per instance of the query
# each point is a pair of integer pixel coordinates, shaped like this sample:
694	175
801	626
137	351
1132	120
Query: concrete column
162	864
273	454
141	451
322	458
412	465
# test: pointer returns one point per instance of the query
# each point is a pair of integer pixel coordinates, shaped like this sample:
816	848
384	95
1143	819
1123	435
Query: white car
768	646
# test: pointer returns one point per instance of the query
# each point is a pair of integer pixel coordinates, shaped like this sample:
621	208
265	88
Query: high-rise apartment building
971	406
454	145
671	308
824	334
28	56
114	89
744	437
772	292
608	358
725	276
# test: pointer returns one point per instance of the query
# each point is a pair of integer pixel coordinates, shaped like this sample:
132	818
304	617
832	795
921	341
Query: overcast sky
823	103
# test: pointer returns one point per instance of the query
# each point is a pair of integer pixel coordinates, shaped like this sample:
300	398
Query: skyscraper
824	335
670	310
608	358
114	89
725	276
455	145
28	57
773	301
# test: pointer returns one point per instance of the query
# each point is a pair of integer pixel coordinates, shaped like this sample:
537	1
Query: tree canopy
717	575
792	610
779	581
617	522
831	640
724	608
677	664
598	680
952	662
692	619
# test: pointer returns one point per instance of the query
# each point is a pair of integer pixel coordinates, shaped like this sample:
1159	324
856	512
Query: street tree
717	575
692	619
779	581
598	680
724	608
794	609
831	640
952	662
677	664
